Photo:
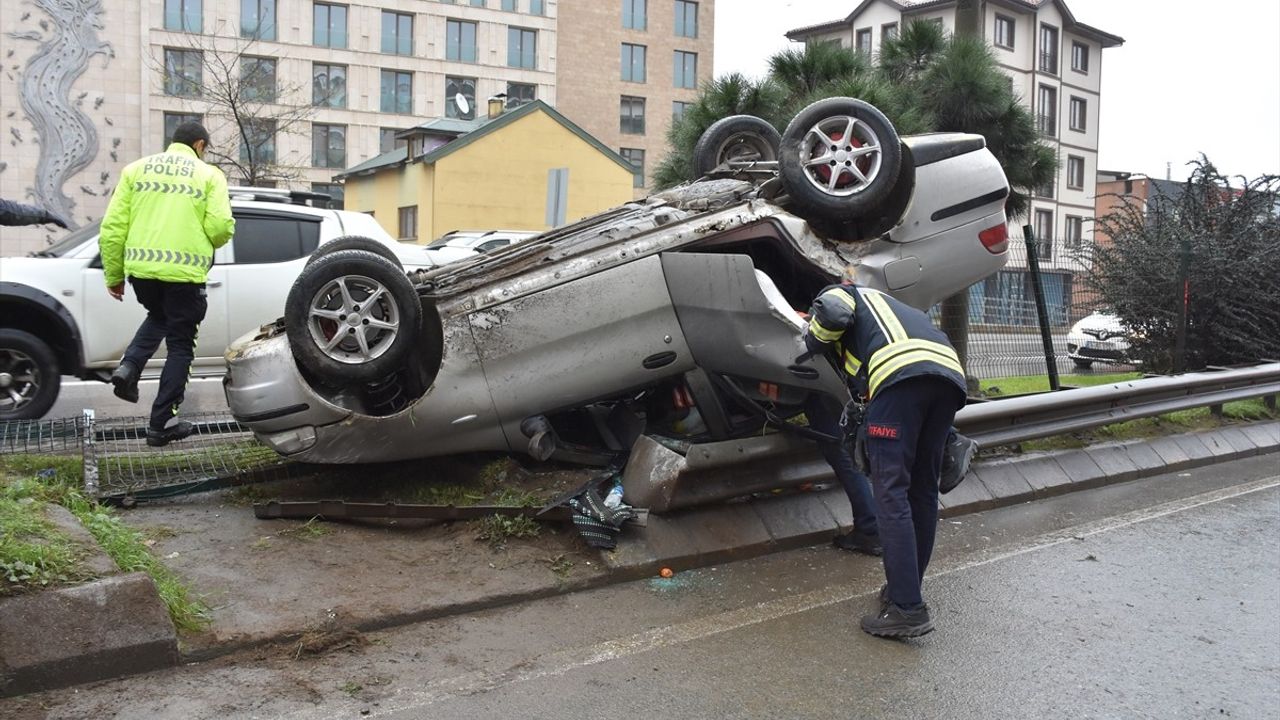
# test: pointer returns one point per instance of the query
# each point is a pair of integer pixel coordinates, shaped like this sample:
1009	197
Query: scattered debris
666	572
1088	558
329	636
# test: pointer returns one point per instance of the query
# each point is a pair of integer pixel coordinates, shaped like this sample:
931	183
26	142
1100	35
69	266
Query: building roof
1106	39
445	126
481	128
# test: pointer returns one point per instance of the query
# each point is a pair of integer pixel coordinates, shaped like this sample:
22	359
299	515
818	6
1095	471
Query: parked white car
1100	337
57	319
462	244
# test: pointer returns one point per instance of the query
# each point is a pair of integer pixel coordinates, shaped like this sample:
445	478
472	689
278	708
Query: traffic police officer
916	385
168	214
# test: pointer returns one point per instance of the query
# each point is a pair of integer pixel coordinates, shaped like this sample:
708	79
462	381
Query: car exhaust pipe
542	438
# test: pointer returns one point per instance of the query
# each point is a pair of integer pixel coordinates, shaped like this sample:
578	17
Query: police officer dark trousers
916	385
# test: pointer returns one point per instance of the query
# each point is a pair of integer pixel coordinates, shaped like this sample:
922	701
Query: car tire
737	137
1082	364
28	368
356	242
322	302
839	160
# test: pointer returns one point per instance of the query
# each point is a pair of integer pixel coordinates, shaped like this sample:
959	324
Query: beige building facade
627	68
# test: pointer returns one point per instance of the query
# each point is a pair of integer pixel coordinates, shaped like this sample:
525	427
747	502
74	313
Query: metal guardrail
1013	420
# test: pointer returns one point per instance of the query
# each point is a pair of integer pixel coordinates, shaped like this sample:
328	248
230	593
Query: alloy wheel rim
19	379
841	156
353	319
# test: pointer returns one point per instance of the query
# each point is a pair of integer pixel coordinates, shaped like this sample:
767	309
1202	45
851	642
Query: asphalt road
204	395
1152	599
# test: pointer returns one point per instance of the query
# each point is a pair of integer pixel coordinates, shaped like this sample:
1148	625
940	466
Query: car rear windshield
70	243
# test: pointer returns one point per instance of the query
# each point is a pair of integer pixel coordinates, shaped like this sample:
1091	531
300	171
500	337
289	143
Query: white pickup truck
56	317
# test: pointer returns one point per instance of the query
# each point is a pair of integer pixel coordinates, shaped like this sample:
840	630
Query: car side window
493	245
273	239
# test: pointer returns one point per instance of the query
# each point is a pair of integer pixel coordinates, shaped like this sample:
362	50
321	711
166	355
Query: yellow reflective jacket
168	214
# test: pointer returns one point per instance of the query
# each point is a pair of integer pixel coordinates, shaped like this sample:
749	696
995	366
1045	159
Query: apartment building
1054	64
627	68
362	70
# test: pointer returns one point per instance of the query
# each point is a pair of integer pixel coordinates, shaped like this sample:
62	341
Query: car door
268	251
108	326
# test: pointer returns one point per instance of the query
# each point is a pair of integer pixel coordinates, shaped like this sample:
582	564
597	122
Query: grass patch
309	530
498	529
33	553
1026	384
1169	424
56	480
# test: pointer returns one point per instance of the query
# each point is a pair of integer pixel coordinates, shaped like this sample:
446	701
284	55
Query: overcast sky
1182	83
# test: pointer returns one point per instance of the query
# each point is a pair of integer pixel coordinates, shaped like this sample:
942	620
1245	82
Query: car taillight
995	239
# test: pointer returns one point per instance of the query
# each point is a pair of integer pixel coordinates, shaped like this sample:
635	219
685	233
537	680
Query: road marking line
564	661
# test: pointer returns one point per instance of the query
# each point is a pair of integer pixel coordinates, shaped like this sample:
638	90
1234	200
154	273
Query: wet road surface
1156	599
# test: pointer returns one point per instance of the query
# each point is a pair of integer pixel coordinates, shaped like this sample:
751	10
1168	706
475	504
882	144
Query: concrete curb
735	531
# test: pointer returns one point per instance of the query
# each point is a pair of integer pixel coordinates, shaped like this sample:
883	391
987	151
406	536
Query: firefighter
915	385
168	214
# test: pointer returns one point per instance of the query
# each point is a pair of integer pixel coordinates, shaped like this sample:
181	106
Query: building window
520	94
329	85
409	223
1047	111
888	31
183	15
686	69
387	140
477	3
173	120
397	33
1048	49
258	79
633	63
635	14
455	86
1047	189
397	92
537	7
1043	227
1079	57
678	109
509	6
258	144
632	116
862	41
635	156
329	146
686	19
1079	114
329	25
1075	231
183	72
258	19
1075	172
522	48
460	41
335	191
1004	32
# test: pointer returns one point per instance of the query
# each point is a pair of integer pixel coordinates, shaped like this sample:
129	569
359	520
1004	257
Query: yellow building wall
499	182
386	191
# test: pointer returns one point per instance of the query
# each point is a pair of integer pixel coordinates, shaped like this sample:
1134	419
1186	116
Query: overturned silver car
669	322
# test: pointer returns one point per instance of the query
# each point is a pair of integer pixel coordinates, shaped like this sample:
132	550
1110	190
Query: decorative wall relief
67	137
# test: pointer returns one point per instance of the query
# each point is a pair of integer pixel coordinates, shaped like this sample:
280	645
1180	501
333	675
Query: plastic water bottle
614	498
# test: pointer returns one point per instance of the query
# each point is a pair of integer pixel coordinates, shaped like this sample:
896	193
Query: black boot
124	382
176	431
894	622
854	541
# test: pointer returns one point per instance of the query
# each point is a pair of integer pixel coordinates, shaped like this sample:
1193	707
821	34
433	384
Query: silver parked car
674	317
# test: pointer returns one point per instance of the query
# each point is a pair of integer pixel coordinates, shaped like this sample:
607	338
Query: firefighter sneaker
894	622
176	431
854	541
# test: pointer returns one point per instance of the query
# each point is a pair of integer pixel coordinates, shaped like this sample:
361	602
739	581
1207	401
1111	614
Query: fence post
1042	312
1184	281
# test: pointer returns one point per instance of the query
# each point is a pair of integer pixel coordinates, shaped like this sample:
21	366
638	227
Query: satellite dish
460	101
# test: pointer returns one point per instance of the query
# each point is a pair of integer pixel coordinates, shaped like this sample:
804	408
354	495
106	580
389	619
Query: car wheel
29	377
352	317
1082	364
737	138
356	242
839	160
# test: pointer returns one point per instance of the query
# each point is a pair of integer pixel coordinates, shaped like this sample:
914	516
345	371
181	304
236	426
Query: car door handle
214	283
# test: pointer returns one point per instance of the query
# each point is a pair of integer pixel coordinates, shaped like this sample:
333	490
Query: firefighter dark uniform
916	385
168	214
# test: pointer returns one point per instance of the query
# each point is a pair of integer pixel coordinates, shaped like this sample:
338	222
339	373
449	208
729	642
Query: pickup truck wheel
839	160
29	377
352	317
356	242
735	139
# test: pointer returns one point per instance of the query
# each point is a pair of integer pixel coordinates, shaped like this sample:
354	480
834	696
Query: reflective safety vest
880	338
168	214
